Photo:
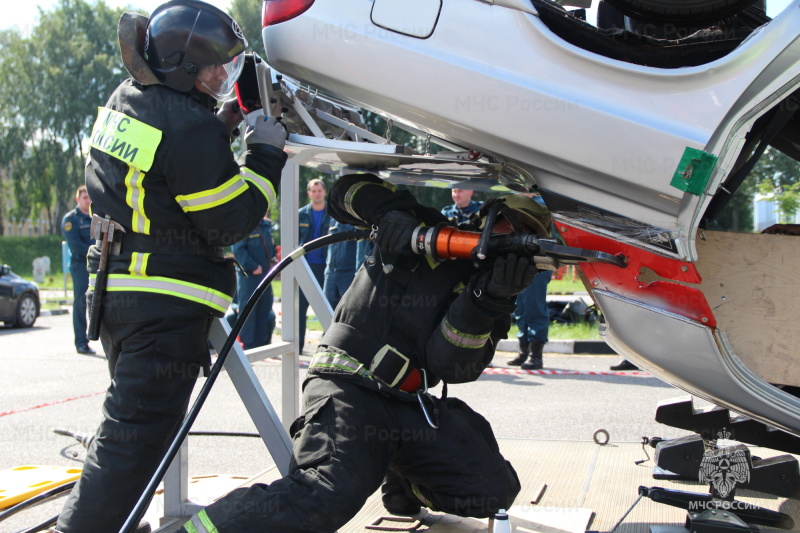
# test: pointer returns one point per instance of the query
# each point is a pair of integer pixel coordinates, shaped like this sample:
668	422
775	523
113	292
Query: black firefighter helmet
184	36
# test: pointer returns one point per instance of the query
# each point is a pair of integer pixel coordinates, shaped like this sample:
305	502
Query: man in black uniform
406	323
75	227
161	166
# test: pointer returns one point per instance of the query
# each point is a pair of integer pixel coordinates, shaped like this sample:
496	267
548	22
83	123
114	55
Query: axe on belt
107	234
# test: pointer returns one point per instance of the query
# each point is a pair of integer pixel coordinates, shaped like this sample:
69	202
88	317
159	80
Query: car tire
27	311
676	11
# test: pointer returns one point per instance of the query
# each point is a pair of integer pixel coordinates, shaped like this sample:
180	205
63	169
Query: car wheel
674	11
27	311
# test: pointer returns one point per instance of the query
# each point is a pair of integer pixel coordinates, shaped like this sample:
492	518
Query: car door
6	297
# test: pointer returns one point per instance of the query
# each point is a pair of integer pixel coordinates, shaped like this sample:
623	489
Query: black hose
488	225
50	522
36	500
191	416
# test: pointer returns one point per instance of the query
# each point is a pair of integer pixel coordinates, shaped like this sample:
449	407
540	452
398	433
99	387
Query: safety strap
382	361
404	381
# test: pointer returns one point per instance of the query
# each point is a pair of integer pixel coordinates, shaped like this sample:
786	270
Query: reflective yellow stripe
209	525
461	339
207	199
134	197
189	527
172	287
351	193
125	138
138	265
339	362
262	183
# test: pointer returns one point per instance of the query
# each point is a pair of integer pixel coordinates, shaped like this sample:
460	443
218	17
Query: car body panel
12	288
603	139
527	90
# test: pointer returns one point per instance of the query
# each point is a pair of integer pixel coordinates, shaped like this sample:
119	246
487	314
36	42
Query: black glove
395	229
510	276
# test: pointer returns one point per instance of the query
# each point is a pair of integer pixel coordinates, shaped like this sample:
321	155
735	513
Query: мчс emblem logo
725	468
237	31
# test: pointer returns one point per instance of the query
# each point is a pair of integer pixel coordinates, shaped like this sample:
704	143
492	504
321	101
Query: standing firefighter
368	416
163	179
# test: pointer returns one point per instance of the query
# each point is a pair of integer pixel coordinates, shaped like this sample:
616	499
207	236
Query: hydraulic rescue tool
441	242
447	242
108	234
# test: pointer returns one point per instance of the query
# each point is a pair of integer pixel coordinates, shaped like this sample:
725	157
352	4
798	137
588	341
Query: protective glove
231	115
395	229
509	276
266	131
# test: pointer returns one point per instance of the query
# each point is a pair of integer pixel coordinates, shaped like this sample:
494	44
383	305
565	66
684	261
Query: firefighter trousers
156	346
345	442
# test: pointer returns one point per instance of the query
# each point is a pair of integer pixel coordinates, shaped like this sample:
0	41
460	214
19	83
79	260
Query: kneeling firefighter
406	323
167	196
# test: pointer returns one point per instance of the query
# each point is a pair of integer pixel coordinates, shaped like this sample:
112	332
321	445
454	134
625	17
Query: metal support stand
271	427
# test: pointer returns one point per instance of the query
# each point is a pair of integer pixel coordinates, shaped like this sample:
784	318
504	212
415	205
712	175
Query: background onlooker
341	265
255	255
463	206
314	222
533	321
76	228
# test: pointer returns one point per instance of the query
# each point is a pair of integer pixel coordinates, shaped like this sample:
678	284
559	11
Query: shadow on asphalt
8	330
647	381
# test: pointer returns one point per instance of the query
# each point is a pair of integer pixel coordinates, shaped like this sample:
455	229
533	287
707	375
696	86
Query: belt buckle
378	358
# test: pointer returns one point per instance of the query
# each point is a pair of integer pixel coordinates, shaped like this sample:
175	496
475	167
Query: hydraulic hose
144	500
36	500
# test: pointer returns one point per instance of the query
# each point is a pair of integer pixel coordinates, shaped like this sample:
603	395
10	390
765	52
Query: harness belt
366	358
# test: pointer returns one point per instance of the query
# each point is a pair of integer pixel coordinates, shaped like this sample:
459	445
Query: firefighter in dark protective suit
406	323
161	167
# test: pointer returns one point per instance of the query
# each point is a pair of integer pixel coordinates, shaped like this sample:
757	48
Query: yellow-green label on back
125	138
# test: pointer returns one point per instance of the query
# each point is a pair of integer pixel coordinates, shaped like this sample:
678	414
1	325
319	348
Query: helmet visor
219	80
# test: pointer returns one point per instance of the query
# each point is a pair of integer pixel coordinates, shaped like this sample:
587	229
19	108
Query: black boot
523	354
535	362
397	496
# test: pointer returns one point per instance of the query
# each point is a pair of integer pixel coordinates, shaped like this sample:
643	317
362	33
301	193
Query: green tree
54	81
248	14
737	216
778	176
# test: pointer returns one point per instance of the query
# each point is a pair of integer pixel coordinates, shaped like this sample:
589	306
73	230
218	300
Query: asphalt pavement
46	385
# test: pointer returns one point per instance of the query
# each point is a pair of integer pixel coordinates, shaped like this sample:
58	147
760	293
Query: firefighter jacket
161	165
418	321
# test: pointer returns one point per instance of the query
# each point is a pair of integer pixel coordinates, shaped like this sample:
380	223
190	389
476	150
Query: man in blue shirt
254	254
314	222
463	207
76	228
